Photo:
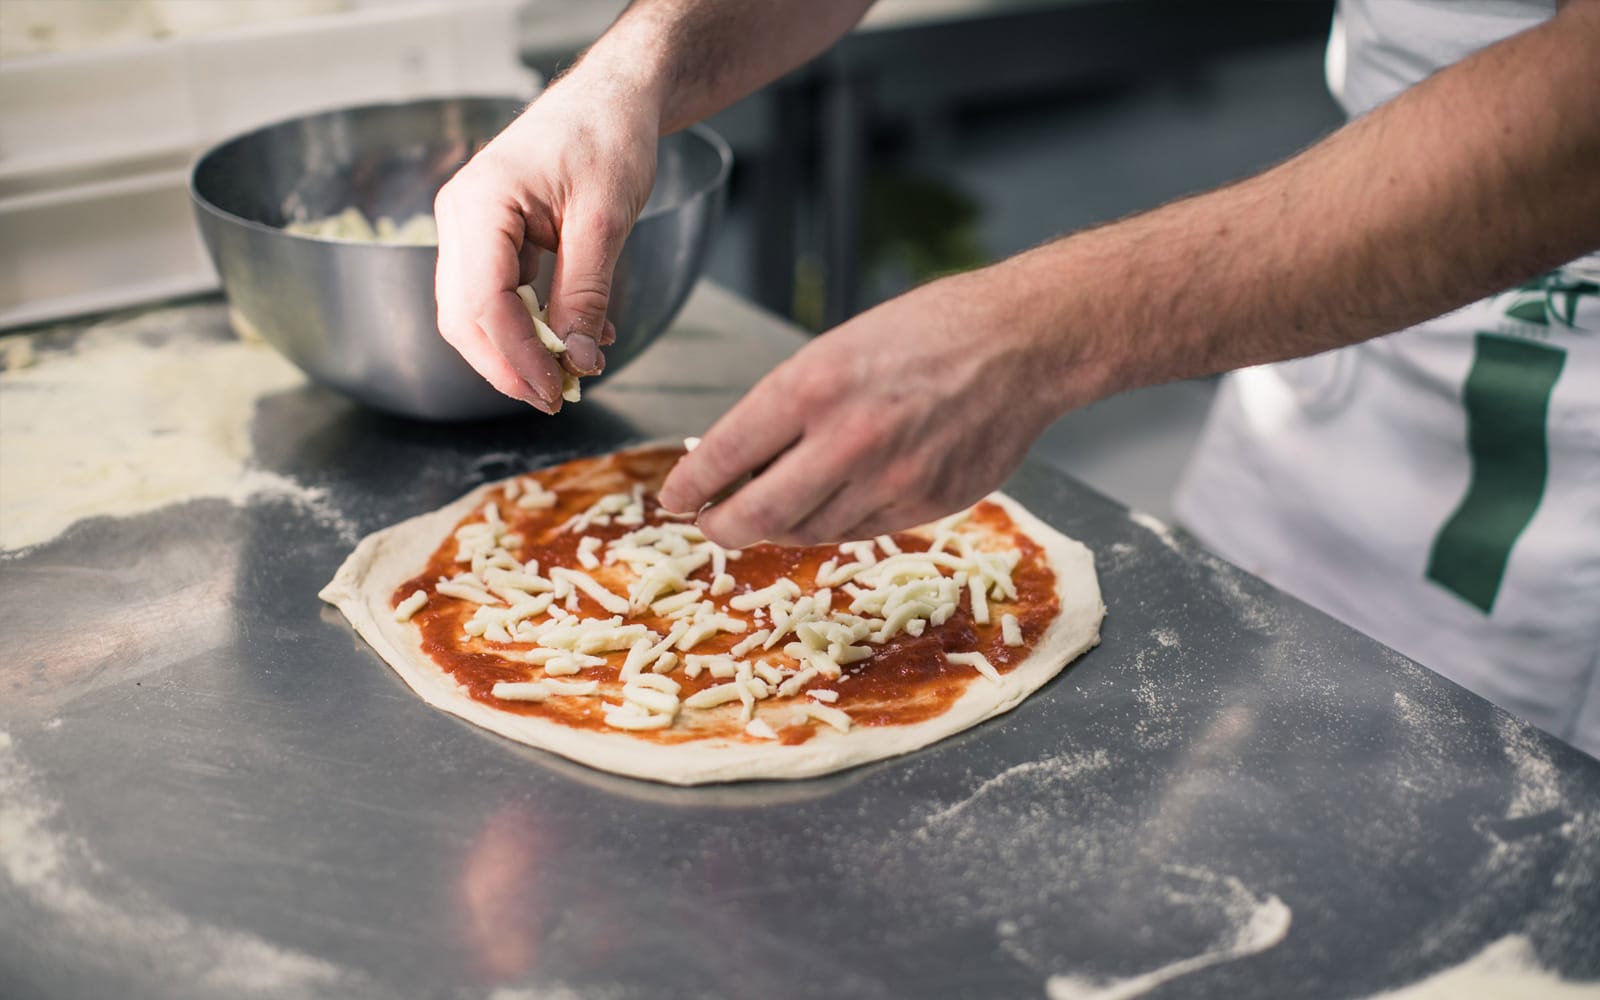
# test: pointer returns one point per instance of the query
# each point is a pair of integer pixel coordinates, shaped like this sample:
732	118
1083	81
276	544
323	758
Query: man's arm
572	173
696	57
1485	174
1478	178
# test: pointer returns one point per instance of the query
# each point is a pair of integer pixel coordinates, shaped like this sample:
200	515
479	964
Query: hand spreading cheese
541	325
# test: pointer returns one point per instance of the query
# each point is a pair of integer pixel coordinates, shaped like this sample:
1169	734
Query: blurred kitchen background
940	135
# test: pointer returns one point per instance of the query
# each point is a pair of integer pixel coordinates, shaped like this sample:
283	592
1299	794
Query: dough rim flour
385	559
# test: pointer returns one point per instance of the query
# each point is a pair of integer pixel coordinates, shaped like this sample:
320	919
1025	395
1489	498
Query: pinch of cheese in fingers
570	390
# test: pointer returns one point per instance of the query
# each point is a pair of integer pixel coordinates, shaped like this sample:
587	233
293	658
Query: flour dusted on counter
1507	969
1257	922
128	420
100	914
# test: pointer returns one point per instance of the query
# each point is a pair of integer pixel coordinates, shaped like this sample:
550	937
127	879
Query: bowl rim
698	129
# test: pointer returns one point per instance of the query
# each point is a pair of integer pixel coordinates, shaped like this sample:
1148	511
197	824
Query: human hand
912	410
570	175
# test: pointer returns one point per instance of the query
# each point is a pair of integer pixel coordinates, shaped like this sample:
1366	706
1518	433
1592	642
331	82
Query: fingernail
538	400
584	353
669	502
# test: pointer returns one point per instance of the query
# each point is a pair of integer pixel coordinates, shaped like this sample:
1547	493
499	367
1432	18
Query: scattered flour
1157	527
1253	611
257	484
1032	843
1507	969
555	992
1538	788
90	917
129	419
1539	836
1257	613
1258	923
1153	691
1425	727
1055	768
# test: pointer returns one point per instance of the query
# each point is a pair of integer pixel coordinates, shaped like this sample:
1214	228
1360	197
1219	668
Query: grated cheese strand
976	661
711	697
760	730
784	589
410	606
586	583
587	547
466	592
1010	630
827	714
635	721
748	643
648	699
520	691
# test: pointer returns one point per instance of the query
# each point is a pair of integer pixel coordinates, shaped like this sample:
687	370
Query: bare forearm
692	58
1484	175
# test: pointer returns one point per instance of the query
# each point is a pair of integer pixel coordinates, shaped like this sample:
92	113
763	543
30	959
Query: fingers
488	362
530	257
510	330
591	240
837	519
801	480
888	521
480	315
760	425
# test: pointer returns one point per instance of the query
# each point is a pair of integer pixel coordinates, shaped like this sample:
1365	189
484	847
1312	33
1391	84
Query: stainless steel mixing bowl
360	317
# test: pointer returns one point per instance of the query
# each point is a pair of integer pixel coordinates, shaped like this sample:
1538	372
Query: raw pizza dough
365	585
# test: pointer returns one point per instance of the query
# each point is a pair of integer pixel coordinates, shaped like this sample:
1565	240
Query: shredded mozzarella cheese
832	716
1010	630
760	730
410	606
976	661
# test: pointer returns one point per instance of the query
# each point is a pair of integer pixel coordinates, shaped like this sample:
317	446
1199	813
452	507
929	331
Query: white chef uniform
1437	488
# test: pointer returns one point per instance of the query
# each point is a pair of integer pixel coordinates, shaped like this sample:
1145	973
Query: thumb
580	288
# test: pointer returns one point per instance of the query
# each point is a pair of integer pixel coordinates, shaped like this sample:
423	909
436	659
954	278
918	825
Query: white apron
1437	488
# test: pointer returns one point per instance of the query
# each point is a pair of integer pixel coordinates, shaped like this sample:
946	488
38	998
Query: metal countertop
210	787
